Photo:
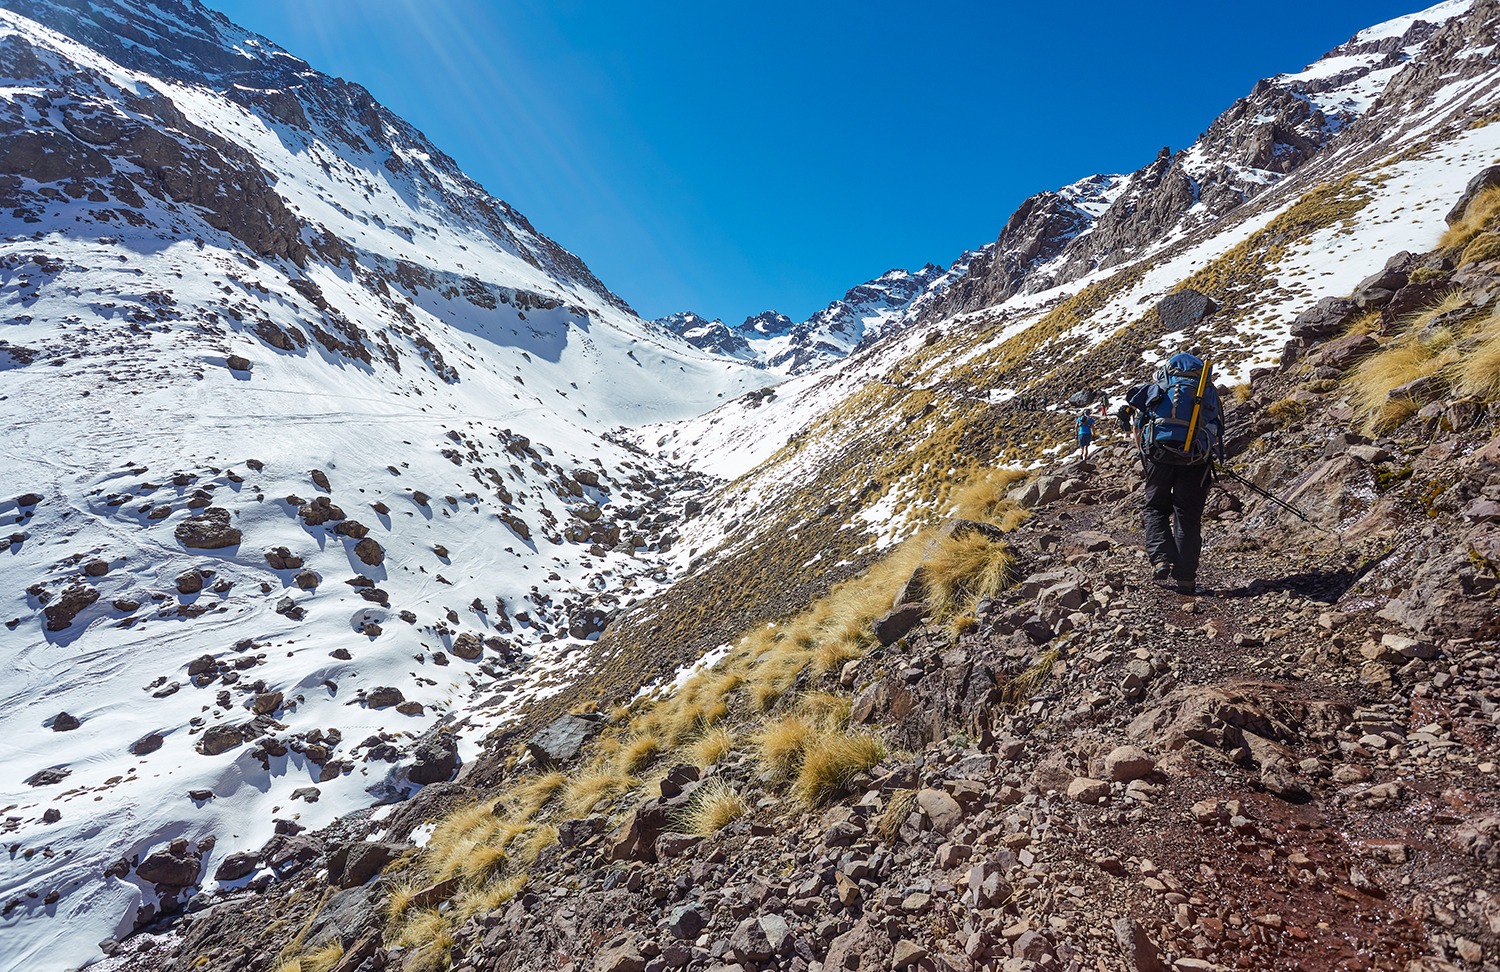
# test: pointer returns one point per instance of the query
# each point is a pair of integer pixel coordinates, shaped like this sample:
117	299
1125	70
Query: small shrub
1394	412
585	792
715	805
537	839
1241	392
640	751
831	763
488	896
828	710
1424	274
527	798
1477	371
1363	323
983	496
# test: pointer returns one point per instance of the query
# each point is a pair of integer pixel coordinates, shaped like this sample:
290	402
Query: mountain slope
310	449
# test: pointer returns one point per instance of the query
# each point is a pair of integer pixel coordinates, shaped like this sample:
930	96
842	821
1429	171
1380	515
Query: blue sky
728	158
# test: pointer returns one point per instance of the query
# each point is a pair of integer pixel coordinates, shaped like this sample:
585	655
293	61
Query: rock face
209	530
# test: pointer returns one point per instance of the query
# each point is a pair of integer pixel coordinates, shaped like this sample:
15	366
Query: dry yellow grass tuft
529	796
429	935
1481	212
1418	351
1019	690
902	803
782	744
714	805
983	496
640	751
831	762
710	747
1477	372
964	569
1485	246
488	896
586	791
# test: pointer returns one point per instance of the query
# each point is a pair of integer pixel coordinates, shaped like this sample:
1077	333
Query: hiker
1179	429
1085	435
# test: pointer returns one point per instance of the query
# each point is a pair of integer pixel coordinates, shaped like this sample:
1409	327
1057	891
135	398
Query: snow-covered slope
222	271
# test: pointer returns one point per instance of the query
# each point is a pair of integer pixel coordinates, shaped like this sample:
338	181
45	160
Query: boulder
236	866
1324	319
758	939
219	739
61	611
941	809
237	362
63	722
1086	790
353	864
190	581
148	743
209	530
384	696
266	703
435	760
370	552
898	622
280	558
1342	353
468	646
1127	763
1183	310
1487	178
176	866
623	956
561	740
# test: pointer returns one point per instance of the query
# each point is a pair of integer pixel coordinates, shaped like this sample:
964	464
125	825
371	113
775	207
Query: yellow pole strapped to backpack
1197	405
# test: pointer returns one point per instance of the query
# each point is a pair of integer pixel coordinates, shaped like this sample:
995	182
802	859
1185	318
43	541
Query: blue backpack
1164	413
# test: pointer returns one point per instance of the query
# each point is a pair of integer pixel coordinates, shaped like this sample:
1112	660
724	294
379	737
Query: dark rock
435	760
306	580
66	606
320	479
370	552
48	776
354	864
51	815
176	866
236	866
149	743
898	623
96	568
190	581
209	530
1139	952
1184	309
63	722
561	740
1487	178
623	957
237	362
688	921
468	646
280	558
1324	319
383	696
1341	353
219	739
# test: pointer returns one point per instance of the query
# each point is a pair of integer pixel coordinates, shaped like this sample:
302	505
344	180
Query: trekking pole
1269	495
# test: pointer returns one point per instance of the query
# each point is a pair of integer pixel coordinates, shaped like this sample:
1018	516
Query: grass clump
318	960
1477	372
964	569
1418	351
983	498
585	792
1287	411
1019	690
902	803
1482	210
710	747
488	896
1485	246
830	764
429	935
715	805
783	742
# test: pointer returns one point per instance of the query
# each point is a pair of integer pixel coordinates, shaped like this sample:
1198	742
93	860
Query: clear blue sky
732	157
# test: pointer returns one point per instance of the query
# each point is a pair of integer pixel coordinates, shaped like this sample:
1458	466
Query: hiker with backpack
1178	427
1085	425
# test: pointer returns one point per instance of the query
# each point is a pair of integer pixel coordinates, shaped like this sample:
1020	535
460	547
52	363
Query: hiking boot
1162	572
1190	588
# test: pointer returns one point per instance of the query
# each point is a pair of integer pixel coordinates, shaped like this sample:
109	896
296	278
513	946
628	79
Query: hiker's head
1183	363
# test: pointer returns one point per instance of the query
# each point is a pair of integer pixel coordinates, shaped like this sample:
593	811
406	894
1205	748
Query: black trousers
1174	516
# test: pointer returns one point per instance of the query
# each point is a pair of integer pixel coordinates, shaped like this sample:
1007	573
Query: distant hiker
1085	434
1179	429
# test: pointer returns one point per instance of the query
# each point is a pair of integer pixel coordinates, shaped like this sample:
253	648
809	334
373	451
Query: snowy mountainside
863	315
311	468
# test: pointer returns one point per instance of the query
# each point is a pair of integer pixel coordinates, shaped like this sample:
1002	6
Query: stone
1127	763
1086	541
219	739
96	568
306	580
61	611
48	776
687	921
1487	178
369	552
384	696
435	759
237	362
1139	952
468	646
1184	309
1086	790
353	864
758	939
1324	319
64	722
898	623
561	740
148	743
906	954
623	957
1341	353
940	809
266	703
190	581
236	866
209	530
176	866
